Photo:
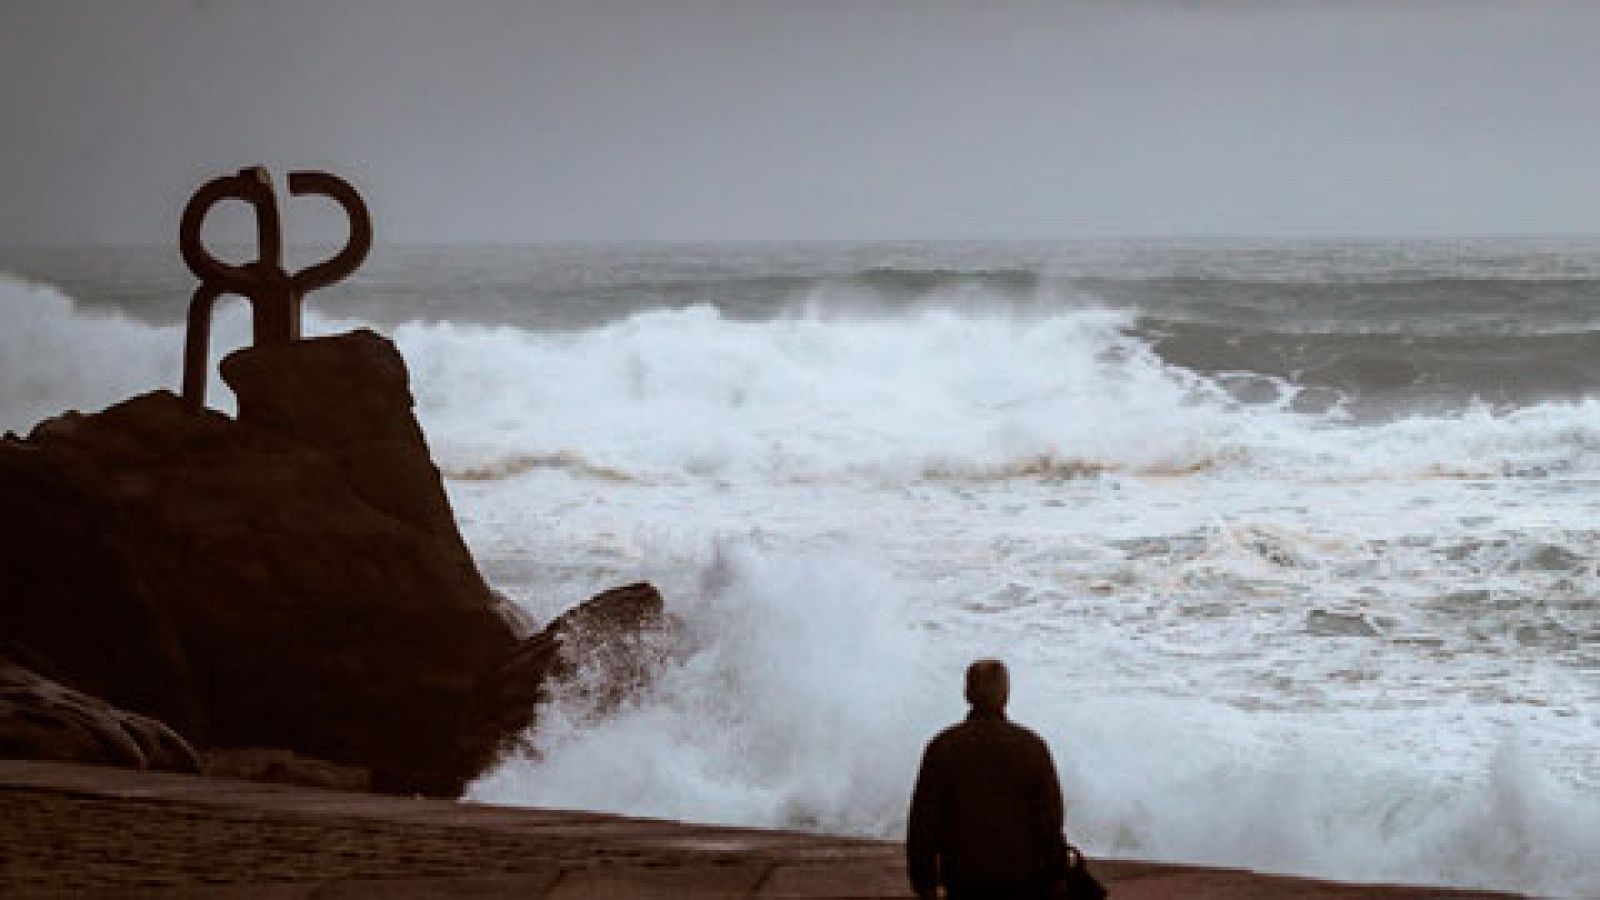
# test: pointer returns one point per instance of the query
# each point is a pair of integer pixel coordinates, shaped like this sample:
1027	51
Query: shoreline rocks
40	719
618	638
292	579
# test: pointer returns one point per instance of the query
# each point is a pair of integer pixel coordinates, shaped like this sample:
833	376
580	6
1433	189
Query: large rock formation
292	578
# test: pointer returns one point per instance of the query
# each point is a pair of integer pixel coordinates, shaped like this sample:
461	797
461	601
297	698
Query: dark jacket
986	814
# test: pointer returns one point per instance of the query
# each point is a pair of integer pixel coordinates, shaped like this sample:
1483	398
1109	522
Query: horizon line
750	241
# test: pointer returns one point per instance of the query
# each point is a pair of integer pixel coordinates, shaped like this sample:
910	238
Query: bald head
988	685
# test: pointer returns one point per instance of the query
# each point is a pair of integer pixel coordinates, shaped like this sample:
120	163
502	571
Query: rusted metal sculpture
274	294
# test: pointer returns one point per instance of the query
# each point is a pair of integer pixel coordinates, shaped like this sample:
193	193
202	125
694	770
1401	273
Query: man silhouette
986	814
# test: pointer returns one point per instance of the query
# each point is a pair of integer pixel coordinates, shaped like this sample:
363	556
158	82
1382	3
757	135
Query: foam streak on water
1255	629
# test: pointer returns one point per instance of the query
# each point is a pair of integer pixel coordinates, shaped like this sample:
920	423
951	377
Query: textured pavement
82	831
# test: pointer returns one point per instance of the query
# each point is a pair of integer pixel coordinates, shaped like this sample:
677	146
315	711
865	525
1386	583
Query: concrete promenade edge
84	831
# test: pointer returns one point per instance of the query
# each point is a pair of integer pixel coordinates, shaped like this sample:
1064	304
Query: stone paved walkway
80	831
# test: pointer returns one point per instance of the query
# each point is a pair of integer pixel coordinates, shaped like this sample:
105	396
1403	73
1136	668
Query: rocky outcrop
288	589
73	601
40	719
294	578
605	649
348	396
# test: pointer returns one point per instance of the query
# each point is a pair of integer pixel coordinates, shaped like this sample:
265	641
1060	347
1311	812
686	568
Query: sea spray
54	357
804	688
798	699
691	394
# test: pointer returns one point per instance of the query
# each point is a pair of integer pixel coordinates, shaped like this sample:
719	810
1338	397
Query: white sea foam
809	683
844	512
689	394
798	691
54	357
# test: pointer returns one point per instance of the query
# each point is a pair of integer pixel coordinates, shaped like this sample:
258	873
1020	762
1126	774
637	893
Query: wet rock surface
40	719
605	648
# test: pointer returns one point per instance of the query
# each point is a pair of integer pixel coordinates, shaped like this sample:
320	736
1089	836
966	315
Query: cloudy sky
687	119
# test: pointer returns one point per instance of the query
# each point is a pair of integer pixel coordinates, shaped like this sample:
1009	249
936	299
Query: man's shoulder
1025	732
1023	736
978	729
947	735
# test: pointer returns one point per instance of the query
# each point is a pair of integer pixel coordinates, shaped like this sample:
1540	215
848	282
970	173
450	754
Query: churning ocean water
1293	548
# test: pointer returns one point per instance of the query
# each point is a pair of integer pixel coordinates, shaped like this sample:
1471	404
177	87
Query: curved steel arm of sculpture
274	294
360	241
253	186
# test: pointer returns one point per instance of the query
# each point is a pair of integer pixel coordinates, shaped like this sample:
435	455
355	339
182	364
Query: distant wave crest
938	394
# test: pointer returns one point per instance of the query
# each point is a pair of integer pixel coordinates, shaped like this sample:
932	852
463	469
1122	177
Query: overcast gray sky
661	119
